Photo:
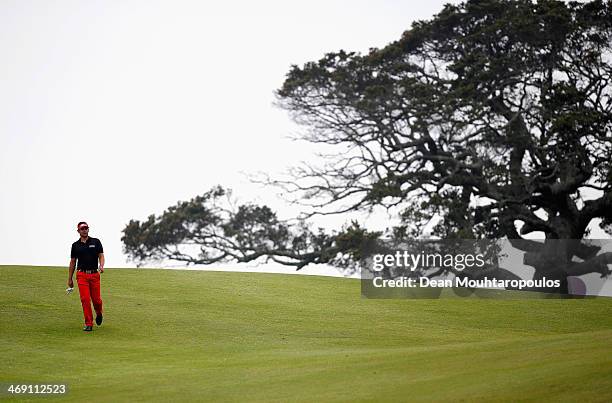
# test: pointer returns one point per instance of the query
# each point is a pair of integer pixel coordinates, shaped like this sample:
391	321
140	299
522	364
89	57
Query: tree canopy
503	102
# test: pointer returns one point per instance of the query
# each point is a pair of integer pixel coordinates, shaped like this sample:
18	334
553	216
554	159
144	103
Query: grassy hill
192	335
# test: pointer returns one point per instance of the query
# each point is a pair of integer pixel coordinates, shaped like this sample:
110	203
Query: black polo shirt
86	253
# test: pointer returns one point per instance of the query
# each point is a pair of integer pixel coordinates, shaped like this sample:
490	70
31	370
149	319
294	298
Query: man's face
83	230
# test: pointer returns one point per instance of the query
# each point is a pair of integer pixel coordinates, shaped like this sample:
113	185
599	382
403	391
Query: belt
88	270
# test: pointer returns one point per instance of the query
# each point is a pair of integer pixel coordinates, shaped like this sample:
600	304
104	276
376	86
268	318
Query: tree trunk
551	262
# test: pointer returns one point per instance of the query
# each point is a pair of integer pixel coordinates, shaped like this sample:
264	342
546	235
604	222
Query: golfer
84	255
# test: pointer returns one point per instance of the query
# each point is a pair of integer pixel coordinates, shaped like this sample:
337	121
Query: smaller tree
214	228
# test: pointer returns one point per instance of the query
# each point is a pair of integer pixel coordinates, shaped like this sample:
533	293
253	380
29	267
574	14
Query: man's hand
101	269
70	284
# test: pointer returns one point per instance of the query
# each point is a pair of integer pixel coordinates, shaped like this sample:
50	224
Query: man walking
85	253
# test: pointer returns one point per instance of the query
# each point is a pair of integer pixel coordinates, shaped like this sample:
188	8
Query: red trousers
89	289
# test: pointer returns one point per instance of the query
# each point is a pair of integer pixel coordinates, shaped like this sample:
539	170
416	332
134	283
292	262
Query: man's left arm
101	256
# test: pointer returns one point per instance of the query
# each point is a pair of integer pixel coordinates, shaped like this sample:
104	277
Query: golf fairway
174	335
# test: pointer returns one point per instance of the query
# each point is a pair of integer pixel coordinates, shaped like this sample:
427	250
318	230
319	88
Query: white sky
112	110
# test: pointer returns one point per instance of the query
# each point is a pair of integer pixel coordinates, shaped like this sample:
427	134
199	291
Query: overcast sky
112	110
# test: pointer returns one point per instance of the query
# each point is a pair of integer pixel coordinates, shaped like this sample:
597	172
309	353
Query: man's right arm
71	272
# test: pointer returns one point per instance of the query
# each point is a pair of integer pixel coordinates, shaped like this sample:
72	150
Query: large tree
494	116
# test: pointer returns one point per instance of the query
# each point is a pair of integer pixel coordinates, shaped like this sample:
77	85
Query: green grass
209	336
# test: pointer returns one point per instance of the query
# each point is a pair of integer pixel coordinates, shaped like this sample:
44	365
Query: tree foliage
213	228
491	112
